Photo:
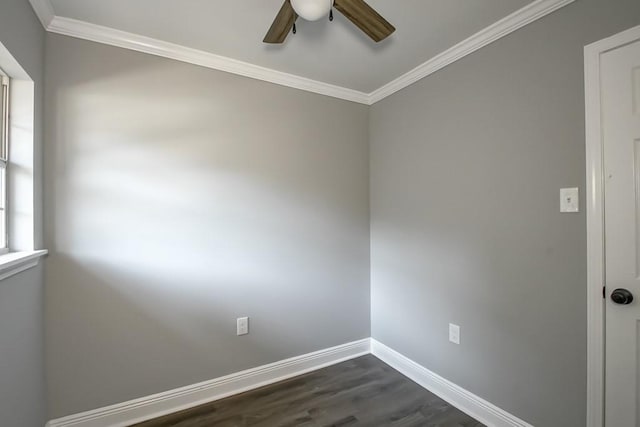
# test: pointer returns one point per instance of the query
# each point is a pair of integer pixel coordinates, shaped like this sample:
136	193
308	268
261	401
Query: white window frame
19	251
5	99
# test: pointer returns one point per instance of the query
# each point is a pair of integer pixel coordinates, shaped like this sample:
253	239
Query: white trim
110	36
157	405
595	222
44	11
15	262
524	16
138	410
483	411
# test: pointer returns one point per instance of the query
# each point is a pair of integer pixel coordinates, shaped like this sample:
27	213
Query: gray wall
466	167
179	198
22	380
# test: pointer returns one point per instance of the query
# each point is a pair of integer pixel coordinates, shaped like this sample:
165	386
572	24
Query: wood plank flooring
360	392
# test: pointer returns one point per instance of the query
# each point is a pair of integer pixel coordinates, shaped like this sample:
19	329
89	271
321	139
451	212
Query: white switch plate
454	333
569	201
242	325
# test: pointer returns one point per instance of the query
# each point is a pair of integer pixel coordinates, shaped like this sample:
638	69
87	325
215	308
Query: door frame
595	222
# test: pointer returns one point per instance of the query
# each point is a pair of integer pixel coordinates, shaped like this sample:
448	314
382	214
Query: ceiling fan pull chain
331	15
294	28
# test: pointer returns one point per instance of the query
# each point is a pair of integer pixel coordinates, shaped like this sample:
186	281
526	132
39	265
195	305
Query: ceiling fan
357	11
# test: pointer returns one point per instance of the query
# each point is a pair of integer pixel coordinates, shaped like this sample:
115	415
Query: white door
620	89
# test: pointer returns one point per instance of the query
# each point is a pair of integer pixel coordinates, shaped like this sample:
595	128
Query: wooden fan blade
282	24
365	18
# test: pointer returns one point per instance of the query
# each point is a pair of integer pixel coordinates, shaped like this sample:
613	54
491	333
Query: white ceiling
331	52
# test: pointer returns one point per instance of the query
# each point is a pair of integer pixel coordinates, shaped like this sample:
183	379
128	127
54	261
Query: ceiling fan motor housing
358	12
312	10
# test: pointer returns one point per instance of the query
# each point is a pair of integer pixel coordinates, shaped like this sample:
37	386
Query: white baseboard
146	408
478	408
157	405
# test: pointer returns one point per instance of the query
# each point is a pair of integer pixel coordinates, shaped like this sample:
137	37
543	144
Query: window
4	158
17	145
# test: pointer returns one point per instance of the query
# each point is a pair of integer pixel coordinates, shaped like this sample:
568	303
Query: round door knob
622	296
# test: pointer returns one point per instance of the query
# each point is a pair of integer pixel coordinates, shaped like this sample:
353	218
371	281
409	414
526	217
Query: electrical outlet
242	325
454	333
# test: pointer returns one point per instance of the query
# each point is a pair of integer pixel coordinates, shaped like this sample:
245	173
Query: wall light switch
242	325
569	201
454	333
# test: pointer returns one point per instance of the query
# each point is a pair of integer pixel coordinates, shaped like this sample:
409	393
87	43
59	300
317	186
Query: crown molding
44	11
110	36
100	34
524	16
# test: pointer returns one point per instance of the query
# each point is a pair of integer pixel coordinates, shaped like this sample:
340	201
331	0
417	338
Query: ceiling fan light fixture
358	12
312	10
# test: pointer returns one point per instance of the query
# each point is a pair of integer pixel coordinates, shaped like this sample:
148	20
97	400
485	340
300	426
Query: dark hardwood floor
359	392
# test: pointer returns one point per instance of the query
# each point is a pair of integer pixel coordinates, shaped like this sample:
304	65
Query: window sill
15	262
